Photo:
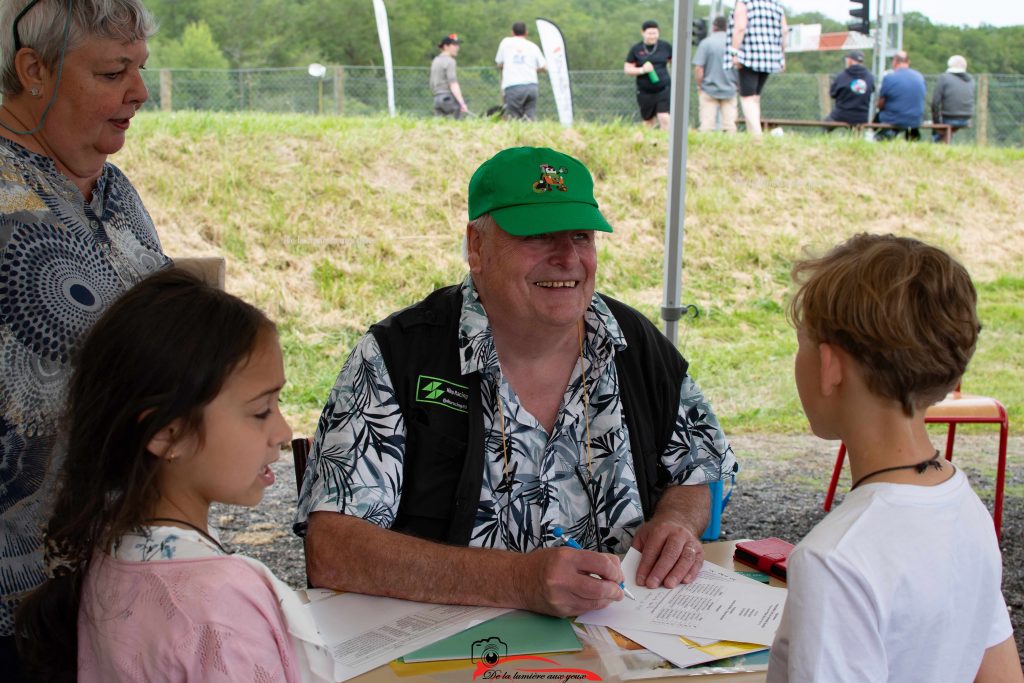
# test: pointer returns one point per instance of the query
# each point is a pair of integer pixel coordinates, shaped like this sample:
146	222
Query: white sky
955	12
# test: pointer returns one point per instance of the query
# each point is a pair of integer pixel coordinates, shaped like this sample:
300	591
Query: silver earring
35	92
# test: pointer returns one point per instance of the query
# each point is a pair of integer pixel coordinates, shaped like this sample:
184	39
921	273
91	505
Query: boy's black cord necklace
207	536
919	468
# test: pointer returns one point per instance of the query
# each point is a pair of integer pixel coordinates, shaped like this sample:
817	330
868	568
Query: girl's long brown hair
161	353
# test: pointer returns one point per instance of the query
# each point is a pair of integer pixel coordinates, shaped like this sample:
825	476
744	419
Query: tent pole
672	308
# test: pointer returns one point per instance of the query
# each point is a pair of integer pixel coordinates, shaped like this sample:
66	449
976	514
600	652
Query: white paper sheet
669	647
365	631
672	648
719	604
317	594
624	663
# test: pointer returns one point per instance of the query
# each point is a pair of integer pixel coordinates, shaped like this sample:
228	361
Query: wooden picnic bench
944	129
768	124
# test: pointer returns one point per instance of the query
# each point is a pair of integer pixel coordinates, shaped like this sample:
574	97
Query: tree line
598	33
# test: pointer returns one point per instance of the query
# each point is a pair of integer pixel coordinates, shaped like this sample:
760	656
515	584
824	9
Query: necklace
918	467
202	533
651	49
506	482
586	407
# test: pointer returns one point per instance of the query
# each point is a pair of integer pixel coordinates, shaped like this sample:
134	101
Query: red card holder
767	555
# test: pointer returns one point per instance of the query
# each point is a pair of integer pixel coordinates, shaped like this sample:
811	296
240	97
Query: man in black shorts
649	60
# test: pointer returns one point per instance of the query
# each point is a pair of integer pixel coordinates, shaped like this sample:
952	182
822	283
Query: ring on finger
690	548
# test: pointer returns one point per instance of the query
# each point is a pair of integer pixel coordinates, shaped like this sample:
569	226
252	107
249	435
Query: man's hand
558	581
671	554
647	67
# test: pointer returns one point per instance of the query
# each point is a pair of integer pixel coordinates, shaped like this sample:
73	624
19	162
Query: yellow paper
724	648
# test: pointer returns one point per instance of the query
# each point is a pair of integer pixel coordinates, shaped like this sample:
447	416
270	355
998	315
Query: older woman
757	40
74	235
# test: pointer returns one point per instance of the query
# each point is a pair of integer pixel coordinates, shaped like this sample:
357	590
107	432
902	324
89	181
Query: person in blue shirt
901	99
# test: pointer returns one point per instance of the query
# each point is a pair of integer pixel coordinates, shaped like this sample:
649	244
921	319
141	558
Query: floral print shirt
154	543
577	478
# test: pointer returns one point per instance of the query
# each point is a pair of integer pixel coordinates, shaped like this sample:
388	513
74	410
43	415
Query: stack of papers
365	631
720	614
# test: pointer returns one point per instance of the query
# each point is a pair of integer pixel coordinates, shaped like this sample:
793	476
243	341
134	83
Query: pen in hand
571	542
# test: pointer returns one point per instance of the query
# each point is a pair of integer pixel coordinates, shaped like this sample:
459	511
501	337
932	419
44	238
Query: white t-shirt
899	583
520	59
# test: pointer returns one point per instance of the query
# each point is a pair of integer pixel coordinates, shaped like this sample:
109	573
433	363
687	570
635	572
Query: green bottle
653	75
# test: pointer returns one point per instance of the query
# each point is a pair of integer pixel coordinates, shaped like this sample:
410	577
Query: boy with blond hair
902	581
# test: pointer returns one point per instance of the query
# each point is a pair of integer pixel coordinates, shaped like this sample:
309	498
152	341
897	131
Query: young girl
174	406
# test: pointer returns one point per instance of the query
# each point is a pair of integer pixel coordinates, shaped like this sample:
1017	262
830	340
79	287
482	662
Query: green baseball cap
535	190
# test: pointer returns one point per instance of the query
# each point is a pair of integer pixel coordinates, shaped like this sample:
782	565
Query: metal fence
597	95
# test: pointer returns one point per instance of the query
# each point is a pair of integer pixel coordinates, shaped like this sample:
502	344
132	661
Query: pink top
206	619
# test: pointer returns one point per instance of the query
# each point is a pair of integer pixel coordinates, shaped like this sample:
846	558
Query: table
462	672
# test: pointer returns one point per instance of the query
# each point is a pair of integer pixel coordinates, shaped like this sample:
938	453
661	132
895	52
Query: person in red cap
448	99
463	431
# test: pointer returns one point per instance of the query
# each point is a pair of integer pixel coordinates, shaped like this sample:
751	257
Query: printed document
365	631
683	652
720	604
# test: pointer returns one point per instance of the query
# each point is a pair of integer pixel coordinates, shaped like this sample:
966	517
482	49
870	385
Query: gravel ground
779	492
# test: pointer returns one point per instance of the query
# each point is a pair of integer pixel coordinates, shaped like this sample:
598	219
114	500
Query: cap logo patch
551	179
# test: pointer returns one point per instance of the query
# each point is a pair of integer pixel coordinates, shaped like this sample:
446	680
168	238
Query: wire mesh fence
597	95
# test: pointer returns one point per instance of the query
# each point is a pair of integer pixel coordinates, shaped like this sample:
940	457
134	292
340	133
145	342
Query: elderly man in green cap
469	436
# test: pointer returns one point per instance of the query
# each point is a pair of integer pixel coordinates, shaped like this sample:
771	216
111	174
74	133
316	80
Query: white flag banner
384	34
553	43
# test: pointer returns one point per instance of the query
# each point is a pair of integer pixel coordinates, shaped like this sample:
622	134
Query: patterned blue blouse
62	262
553	479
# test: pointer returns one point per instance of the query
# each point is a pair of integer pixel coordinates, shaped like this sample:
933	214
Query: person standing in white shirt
519	60
903	581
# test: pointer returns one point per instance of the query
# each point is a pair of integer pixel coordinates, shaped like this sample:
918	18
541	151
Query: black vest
444	451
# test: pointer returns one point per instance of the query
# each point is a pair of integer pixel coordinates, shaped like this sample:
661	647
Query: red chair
956	408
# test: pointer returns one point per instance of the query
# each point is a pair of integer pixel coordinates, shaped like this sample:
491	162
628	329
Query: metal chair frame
300	454
952	411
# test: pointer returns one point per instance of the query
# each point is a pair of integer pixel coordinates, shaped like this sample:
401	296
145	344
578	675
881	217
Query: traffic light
700	31
862	14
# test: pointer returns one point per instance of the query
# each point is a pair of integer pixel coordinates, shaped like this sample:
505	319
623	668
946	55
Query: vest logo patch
442	392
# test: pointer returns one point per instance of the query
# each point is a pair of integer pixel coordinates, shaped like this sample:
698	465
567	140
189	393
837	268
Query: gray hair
482	223
42	29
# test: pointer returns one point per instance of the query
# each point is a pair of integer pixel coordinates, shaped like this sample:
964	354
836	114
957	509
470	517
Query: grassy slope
330	224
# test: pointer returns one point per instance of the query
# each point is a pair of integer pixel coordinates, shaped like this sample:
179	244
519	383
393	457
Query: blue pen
559	532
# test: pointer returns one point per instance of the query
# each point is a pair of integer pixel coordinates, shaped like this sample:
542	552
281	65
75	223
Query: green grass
331	223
